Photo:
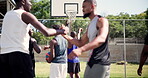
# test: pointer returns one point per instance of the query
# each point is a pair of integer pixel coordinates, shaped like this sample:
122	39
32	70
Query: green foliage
134	28
40	8
41	39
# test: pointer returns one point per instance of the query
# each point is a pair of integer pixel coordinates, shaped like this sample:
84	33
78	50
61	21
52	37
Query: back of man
58	48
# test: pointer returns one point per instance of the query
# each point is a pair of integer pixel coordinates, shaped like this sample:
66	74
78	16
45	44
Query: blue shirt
76	59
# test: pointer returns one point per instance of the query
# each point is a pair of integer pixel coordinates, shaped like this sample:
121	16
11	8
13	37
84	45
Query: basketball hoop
71	15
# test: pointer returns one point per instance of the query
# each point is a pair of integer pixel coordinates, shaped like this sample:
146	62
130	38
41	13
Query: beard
86	15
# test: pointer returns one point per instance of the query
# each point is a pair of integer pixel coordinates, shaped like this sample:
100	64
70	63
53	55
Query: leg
71	75
20	65
77	75
4	66
70	69
33	63
63	68
77	70
97	71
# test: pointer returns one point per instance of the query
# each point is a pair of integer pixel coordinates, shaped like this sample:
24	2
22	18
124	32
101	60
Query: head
89	7
73	34
26	4
56	27
30	32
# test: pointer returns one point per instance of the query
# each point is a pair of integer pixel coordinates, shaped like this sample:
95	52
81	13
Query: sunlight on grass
117	71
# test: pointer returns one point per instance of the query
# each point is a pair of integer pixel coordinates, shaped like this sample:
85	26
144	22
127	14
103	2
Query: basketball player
33	46
144	56
15	61
96	41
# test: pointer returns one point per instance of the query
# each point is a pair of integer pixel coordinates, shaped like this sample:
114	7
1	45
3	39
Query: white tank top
14	35
92	29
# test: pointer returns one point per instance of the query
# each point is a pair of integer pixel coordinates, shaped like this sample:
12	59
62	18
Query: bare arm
80	42
52	43
143	58
36	47
30	18
103	27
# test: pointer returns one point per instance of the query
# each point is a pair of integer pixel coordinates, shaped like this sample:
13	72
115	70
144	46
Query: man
15	61
74	64
144	56
58	56
33	46
96	40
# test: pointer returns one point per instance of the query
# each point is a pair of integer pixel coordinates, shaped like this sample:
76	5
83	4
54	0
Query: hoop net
71	15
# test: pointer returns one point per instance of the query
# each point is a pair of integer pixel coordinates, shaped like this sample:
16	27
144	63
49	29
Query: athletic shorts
73	67
15	65
58	70
97	71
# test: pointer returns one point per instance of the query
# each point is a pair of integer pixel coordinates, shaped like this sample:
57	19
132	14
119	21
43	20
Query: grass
116	71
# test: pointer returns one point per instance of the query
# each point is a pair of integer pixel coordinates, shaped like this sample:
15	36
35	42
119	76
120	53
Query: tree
134	28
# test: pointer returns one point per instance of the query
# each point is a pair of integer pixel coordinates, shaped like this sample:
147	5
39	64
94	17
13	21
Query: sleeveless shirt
101	54
60	50
14	35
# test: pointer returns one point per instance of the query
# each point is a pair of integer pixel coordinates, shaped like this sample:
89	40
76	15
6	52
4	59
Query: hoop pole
69	25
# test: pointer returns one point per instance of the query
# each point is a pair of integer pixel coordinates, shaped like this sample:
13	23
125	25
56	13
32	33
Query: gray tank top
101	54
60	50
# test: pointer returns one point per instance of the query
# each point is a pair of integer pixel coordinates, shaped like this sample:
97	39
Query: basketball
47	55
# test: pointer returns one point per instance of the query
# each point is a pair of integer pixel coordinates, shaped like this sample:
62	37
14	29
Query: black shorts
15	65
73	67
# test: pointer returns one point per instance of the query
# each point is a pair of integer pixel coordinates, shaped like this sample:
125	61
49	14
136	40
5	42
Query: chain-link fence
126	38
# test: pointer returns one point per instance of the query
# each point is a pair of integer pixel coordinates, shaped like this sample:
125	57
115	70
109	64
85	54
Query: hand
75	53
46	47
65	28
33	40
139	71
80	29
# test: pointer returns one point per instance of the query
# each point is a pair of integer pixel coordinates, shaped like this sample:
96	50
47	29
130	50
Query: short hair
91	1
73	34
56	27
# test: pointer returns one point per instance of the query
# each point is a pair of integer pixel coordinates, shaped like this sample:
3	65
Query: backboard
59	7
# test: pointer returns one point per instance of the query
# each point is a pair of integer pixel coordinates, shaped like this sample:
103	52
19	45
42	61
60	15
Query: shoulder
28	15
102	19
53	41
102	22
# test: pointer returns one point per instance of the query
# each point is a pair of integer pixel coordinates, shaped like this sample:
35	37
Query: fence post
124	49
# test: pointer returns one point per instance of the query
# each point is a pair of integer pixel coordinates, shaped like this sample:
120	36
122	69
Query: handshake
62	29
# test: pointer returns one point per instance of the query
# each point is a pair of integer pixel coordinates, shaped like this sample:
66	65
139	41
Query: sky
114	7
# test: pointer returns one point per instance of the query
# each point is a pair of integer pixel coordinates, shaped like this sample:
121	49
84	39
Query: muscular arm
30	18
80	42
103	28
143	58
